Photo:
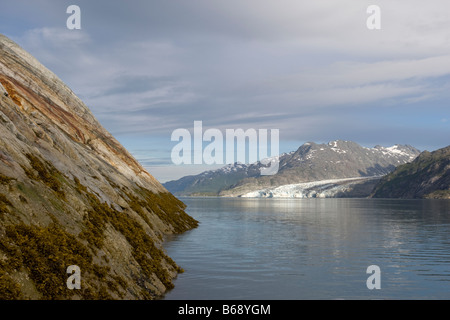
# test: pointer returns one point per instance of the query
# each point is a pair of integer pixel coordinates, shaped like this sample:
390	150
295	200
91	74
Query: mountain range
336	168
72	195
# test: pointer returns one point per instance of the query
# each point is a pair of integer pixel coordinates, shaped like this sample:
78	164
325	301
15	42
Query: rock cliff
70	194
428	176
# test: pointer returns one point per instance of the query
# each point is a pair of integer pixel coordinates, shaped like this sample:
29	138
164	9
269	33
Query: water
313	249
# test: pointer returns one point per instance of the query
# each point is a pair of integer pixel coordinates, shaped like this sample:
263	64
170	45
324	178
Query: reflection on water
313	249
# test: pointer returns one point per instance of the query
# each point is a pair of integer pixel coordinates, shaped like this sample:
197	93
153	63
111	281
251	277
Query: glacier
330	188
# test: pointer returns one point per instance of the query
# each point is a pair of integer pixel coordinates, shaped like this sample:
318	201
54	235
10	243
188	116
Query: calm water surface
313	249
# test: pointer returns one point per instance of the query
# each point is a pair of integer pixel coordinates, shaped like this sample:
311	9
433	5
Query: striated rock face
70	194
428	176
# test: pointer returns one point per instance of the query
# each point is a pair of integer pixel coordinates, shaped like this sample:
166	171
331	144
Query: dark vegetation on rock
428	176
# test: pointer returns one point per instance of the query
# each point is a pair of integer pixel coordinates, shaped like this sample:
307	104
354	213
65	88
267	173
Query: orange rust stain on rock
67	121
11	91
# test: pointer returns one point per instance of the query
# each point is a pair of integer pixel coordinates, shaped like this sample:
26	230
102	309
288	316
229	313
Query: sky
311	69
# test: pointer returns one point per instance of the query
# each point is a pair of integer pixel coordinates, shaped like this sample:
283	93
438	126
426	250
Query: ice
314	189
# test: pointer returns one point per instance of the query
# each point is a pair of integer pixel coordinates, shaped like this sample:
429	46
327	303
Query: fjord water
313	249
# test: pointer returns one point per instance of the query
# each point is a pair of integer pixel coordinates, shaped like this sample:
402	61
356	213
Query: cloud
56	37
355	73
311	69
